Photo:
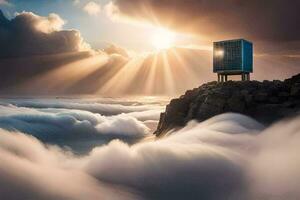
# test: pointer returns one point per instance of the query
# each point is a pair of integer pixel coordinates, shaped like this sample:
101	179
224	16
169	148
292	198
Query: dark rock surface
265	101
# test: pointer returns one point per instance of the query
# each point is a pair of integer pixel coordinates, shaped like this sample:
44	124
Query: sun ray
121	81
163	39
183	66
149	83
67	75
168	75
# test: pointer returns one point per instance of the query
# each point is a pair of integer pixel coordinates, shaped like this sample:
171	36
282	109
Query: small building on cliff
233	57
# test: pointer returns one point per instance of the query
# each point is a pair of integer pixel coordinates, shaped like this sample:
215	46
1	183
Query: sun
163	39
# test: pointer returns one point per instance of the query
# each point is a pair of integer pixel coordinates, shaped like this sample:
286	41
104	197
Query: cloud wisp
92	8
103	106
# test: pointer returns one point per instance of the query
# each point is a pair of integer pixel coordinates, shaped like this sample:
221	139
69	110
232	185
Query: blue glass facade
233	57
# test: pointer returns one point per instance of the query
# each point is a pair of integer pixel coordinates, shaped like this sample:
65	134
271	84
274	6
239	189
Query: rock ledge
265	101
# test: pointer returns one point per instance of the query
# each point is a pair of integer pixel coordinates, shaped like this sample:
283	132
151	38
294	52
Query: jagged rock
274	100
265	101
295	90
261	97
236	104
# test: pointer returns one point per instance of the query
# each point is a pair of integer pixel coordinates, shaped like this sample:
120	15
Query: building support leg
226	78
249	77
222	78
218	78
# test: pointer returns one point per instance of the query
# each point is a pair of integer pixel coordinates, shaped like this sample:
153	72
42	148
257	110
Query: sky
97	27
117	21
42	35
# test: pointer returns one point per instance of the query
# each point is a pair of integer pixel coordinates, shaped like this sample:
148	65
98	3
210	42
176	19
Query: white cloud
48	24
229	156
123	125
66	124
112	11
30	170
231	153
92	8
38	35
76	121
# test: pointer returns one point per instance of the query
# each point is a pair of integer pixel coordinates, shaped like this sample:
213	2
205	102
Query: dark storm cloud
275	20
28	34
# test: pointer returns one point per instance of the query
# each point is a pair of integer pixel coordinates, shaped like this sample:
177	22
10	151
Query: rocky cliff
265	101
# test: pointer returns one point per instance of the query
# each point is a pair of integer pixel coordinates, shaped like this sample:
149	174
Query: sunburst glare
163	39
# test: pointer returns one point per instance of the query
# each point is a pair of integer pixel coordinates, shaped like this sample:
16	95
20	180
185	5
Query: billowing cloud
77	123
230	156
30	170
113	49
29	34
71	127
123	124
92	8
269	20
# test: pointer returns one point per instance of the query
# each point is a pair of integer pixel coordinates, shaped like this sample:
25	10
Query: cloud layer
230	156
77	124
29	34
30	170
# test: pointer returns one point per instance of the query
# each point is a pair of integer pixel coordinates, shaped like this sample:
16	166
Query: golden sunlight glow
67	75
157	73
219	53
163	39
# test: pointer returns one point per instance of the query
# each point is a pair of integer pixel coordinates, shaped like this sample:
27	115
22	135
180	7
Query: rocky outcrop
265	101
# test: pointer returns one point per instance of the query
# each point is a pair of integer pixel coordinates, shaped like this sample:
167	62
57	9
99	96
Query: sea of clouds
78	123
229	156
